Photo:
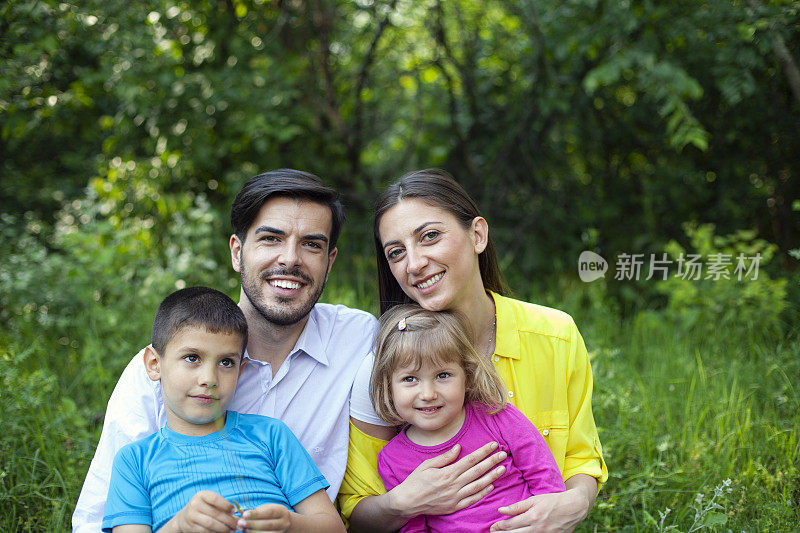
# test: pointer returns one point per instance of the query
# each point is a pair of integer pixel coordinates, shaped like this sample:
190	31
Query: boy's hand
268	518
205	512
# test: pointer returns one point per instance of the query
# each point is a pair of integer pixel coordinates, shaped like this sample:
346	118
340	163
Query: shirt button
545	432
496	358
511	394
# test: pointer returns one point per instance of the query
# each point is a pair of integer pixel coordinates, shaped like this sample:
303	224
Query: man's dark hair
285	182
197	307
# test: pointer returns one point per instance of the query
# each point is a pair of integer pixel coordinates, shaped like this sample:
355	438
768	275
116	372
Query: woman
433	247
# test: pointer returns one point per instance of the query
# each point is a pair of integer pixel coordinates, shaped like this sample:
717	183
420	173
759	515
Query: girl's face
431	255
431	399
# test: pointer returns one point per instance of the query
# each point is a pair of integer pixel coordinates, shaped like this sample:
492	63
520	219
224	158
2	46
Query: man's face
284	261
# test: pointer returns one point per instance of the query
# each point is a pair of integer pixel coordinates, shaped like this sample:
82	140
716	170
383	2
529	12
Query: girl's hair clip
402	324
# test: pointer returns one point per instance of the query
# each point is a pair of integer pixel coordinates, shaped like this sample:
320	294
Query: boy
185	476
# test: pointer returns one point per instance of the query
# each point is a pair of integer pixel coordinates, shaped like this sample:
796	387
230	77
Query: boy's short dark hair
199	307
289	183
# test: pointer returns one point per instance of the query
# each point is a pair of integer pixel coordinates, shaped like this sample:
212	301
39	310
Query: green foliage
680	411
126	129
738	295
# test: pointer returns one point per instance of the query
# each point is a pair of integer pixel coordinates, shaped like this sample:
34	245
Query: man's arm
131	414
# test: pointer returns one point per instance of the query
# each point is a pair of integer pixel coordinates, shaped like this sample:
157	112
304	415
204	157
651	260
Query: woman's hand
557	512
439	486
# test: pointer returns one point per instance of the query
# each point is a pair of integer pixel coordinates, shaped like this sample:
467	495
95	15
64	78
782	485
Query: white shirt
311	393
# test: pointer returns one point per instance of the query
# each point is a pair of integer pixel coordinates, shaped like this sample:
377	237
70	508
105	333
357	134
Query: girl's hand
438	486
557	512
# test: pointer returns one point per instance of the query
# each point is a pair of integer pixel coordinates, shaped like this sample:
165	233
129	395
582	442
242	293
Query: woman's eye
394	253
430	235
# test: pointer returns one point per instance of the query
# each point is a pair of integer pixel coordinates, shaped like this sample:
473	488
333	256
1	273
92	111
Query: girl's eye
408	379
443	375
227	363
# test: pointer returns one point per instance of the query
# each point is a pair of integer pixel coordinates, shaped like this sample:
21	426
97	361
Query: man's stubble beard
280	316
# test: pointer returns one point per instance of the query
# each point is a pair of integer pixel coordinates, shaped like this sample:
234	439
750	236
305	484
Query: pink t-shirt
530	467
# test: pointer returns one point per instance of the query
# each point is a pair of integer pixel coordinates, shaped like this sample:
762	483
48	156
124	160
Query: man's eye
269	238
314	244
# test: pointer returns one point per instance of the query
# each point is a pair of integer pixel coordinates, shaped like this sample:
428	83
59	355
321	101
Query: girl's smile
430	397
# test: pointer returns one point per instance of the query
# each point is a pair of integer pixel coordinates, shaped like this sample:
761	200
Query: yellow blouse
543	361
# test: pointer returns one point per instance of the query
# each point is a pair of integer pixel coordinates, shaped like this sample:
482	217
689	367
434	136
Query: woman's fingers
473	498
472	467
443	459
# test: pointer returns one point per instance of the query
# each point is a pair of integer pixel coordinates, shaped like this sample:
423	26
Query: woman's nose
416	261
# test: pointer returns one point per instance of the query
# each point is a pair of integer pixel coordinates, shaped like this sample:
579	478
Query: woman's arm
557	512
437	486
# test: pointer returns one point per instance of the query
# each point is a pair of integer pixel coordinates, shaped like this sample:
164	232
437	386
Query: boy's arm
132	528
315	514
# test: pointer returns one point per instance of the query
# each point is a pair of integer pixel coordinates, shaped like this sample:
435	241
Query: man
302	357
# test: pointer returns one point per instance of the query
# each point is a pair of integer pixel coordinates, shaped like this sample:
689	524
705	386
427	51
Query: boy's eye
443	375
227	362
191	358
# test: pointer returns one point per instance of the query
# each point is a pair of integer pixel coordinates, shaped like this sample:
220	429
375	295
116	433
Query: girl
427	375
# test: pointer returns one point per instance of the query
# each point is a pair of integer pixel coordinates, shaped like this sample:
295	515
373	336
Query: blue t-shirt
253	459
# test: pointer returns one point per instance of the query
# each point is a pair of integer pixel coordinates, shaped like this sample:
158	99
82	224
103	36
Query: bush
734	291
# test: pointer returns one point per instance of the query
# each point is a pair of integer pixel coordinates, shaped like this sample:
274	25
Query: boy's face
198	372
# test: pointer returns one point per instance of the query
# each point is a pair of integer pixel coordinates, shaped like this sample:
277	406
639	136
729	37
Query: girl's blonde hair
408	335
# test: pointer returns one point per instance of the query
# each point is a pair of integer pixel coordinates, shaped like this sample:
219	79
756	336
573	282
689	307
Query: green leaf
714	518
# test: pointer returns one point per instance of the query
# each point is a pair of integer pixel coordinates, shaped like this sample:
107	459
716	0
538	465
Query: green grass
679	412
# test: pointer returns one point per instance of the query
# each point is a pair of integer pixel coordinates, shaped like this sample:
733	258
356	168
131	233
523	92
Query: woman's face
431	255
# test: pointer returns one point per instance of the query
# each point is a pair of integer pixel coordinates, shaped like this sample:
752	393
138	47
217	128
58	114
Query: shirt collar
507	343
310	342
